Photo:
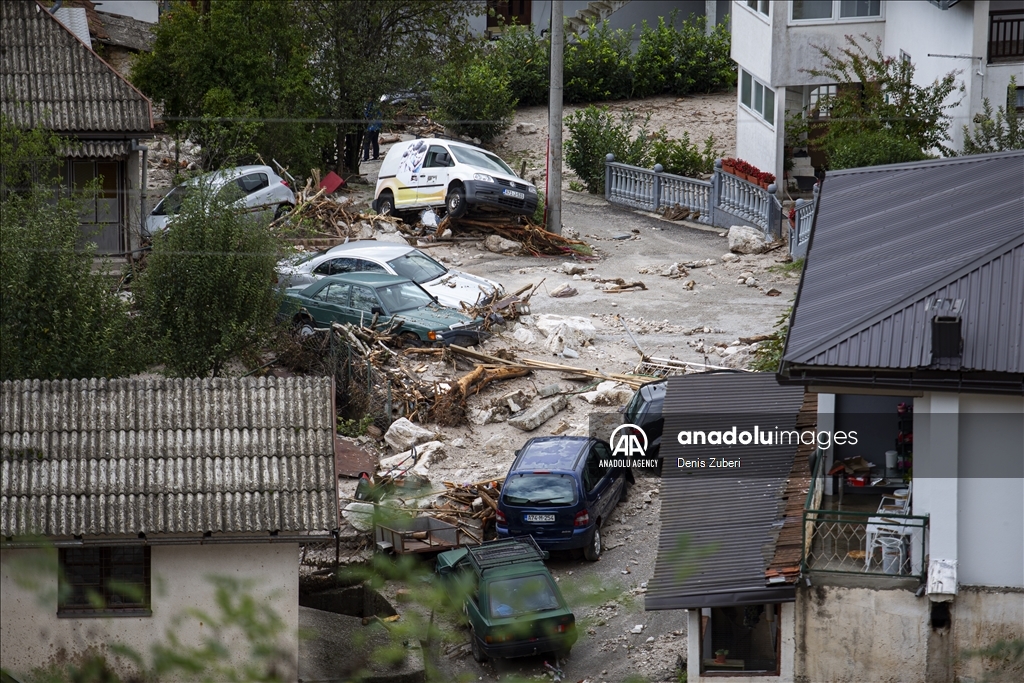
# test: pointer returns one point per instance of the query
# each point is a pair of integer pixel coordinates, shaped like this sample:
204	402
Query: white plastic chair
886	542
896	505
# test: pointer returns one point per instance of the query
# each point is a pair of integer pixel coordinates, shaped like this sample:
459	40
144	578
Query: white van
433	173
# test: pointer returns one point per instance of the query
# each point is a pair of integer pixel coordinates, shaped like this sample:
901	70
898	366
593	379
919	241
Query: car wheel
282	210
410	340
478	650
386	204
592	551
304	327
456	202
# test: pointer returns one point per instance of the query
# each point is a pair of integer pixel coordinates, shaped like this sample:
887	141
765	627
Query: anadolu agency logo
629	448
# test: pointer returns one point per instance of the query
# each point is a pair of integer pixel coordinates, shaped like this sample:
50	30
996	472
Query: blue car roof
551	453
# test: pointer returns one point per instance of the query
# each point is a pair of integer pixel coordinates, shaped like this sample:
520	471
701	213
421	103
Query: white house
773	44
147	490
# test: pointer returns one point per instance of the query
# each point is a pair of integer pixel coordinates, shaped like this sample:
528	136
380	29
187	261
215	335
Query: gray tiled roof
730	520
174	456
888	240
50	78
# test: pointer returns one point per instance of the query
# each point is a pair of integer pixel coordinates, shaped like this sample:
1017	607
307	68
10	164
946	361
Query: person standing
373	116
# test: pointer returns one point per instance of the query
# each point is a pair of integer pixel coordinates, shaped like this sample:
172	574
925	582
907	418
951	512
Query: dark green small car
356	297
513	605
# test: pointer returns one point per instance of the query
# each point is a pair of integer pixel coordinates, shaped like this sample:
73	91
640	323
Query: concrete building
774	44
52	78
147	493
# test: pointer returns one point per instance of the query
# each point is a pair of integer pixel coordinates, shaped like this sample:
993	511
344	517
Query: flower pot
719	659
729	168
749	178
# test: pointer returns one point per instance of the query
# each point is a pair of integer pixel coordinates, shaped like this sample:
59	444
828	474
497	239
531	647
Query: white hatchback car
435	173
450	287
262	192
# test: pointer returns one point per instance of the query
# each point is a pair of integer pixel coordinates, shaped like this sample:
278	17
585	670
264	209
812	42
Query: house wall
793	45
34	636
850	635
787	649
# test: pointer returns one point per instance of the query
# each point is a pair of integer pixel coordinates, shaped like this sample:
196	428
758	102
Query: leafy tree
474	99
878	115
996	133
59	320
362	50
235	76
206	296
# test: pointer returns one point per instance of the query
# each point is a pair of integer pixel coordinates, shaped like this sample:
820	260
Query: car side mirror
377	310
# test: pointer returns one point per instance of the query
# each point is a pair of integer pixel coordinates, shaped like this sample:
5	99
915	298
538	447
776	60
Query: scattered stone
671	271
548	323
650	639
500	245
359	515
539	415
573	269
525	128
495	444
524	335
639	628
608	394
568	352
549	390
746	240
730	258
483	416
403	434
563	291
773	292
561	428
689	284
702	264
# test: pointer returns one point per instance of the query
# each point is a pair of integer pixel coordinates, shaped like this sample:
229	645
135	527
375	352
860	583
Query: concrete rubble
608	394
403	435
540	414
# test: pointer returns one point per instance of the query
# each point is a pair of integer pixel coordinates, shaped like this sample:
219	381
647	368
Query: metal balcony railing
1006	36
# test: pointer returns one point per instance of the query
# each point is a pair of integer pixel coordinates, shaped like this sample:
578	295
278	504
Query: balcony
858	539
1006	37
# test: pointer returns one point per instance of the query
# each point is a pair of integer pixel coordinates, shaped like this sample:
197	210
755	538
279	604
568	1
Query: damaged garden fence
800	228
723	201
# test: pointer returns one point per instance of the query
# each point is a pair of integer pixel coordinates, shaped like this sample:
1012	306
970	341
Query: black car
645	410
560	490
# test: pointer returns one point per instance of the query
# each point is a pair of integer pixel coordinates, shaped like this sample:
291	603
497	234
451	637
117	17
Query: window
833	10
759	6
438	157
363	299
335	294
337	266
253	182
104	581
757	97
744	638
364	266
815	97
595	472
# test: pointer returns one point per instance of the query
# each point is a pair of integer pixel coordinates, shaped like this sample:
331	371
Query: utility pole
553	196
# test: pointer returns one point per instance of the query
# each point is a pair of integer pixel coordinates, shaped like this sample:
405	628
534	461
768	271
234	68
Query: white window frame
754	83
835	18
764	16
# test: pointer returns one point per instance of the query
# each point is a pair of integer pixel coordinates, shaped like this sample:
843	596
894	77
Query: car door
364	301
256	186
598	481
336	266
433	178
330	304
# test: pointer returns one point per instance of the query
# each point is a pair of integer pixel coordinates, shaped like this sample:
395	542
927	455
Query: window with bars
104	581
757	97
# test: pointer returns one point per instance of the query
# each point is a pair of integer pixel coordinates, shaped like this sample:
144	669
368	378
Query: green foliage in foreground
769	352
999	132
59	320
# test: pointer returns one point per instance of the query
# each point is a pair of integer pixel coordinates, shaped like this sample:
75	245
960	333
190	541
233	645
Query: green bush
524	58
702	61
598	66
683	157
206	296
654	64
474	99
594	132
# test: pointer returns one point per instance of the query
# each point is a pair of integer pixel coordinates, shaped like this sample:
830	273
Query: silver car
262	191
450	287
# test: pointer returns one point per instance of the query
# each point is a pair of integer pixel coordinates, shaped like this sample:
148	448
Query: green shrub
702	61
683	157
474	99
655	59
594	132
524	58
598	66
206	295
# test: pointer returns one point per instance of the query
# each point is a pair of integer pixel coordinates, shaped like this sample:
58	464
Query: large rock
539	415
500	245
403	435
746	240
430	451
608	394
548	323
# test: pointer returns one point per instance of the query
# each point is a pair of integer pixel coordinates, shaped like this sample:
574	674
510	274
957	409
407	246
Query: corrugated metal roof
98	149
49	78
729	522
97	456
889	239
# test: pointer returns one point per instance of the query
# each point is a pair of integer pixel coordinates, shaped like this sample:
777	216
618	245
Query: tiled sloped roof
719	530
890	239
168	456
50	78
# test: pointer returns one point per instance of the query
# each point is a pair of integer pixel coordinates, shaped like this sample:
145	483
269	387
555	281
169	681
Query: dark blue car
560	490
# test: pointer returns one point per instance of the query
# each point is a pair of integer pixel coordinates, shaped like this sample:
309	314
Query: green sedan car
356	297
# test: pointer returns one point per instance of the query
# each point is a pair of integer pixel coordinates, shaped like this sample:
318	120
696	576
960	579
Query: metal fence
723	201
862	543
800	228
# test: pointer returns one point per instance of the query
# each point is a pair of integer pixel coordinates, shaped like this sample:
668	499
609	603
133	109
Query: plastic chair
896	505
893	544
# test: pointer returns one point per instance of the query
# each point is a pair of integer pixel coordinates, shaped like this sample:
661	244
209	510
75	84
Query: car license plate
540	518
513	193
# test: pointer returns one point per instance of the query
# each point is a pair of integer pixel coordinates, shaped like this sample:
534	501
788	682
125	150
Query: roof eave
909	379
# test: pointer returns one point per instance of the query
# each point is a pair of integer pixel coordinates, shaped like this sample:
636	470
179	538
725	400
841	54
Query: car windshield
481	159
540	489
172	202
403	296
418	267
521	595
